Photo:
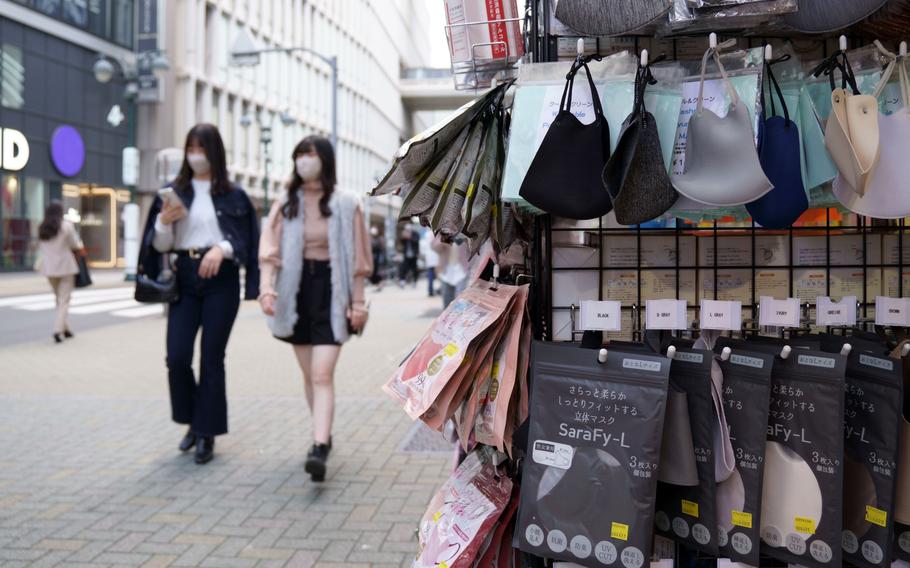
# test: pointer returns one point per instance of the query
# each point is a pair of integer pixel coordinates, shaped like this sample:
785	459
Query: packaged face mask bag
887	194
722	167
589	479
686	509
636	176
902	497
425	193
872	417
747	391
565	176
779	154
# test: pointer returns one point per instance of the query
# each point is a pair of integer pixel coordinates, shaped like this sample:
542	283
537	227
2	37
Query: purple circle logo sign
67	150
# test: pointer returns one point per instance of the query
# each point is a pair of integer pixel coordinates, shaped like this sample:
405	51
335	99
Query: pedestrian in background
377	246
453	267
59	243
211	226
315	257
410	250
430	260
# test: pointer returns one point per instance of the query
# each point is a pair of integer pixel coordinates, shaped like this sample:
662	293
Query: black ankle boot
68	334
205	449
188	441
58	338
316	462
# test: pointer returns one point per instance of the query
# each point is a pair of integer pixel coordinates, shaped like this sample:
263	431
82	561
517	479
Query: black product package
747	394
686	507
589	480
868	343
802	495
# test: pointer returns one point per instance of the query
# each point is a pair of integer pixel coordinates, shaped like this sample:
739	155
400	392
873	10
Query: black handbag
564	178
83	278
161	290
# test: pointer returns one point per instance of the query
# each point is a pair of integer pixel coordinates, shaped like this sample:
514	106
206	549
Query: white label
690	357
553	454
892	311
747	361
721	314
778	313
878	362
600	316
665	314
829	312
824	362
650	366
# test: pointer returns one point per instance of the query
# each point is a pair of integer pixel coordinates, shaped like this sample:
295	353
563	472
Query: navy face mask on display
778	152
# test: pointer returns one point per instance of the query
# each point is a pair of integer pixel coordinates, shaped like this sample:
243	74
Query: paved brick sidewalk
90	475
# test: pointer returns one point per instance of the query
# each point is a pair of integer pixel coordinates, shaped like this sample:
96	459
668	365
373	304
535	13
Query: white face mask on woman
198	163
308	167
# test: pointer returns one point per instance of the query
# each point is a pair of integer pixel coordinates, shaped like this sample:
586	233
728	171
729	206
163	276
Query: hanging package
445	216
425	192
887	194
635	175
722	166
902	491
872	417
779	153
724	459
610	17
851	133
686	508
747	392
819	16
589	479
564	178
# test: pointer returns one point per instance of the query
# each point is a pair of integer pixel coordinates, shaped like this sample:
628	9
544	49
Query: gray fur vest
341	257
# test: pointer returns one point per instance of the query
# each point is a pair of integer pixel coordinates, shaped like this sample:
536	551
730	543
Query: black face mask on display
589	478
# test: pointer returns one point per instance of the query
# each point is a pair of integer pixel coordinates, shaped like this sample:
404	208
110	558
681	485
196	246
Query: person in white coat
59	243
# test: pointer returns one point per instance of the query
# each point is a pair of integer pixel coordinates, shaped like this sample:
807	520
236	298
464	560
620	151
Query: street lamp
245	53
265	140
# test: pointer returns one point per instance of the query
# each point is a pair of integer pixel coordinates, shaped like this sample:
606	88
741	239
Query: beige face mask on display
790	491
851	133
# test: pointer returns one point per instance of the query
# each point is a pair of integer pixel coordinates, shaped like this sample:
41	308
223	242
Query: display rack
478	72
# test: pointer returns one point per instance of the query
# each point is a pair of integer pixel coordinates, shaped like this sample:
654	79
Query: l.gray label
690	357
747	361
652	366
825	362
876	362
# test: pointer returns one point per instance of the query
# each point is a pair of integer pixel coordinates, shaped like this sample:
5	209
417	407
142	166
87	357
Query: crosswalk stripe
119	294
30	298
141	311
105	307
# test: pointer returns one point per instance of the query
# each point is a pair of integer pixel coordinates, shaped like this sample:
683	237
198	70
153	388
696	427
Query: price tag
600	316
829	312
778	313
721	314
665	314
892	311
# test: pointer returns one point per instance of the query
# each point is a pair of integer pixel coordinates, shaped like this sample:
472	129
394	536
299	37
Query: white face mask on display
198	163
308	167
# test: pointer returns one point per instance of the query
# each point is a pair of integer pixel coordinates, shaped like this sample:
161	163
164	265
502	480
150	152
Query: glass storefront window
110	19
76	12
122	21
12	77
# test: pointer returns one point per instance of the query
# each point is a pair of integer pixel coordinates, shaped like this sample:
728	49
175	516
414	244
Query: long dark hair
53	219
326	154
207	136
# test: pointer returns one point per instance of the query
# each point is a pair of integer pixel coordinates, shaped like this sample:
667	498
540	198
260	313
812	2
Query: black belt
193	253
316	266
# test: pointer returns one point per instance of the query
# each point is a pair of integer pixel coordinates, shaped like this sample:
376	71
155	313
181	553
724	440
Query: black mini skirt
314	306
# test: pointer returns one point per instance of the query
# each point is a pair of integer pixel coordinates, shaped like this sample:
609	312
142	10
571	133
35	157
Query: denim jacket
239	224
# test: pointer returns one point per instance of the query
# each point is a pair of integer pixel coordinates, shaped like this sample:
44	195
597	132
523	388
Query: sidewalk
15	283
90	474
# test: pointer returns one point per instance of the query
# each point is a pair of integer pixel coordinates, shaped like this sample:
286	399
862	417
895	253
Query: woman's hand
171	211
357	315
267	303
211	262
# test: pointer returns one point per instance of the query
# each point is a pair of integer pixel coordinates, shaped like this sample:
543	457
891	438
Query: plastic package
684	19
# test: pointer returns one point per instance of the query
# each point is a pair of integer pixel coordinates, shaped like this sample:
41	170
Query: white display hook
671	352
725	354
580	47
712	40
785	352
905	349
842	43
769	52
644	57
902	50
602	356
845	350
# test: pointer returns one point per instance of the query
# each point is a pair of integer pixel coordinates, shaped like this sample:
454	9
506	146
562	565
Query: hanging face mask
565	176
886	195
851	134
198	163
636	176
780	159
308	167
722	167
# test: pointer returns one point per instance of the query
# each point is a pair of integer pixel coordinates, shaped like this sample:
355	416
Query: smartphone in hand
171	199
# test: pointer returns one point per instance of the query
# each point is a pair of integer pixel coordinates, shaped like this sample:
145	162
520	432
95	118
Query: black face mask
636	176
564	178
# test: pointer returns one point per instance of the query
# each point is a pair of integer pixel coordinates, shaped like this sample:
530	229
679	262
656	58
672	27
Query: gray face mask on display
198	163
722	166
